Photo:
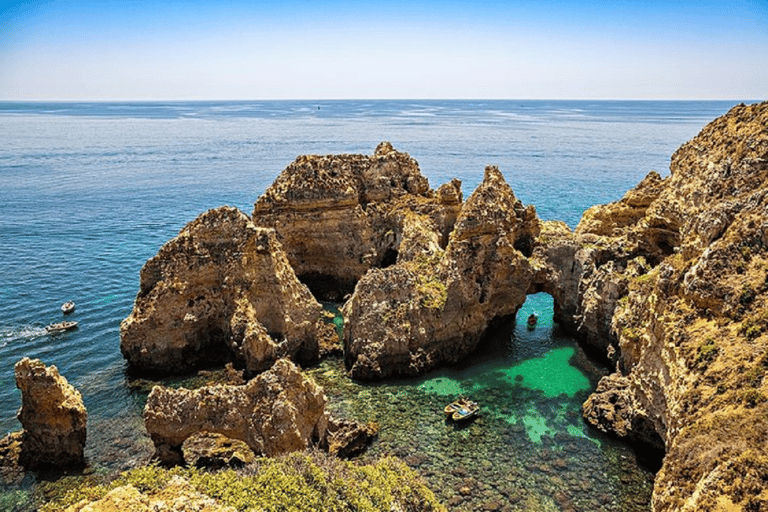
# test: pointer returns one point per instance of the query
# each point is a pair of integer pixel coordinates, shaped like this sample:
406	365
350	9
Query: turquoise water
90	191
528	447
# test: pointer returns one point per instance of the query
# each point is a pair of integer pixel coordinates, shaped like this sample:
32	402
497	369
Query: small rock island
668	285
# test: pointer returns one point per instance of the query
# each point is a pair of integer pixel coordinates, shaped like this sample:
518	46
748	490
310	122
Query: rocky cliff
221	290
685	262
434	304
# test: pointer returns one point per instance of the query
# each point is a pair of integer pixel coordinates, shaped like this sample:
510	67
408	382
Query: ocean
90	191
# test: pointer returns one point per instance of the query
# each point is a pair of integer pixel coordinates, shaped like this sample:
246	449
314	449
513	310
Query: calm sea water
90	191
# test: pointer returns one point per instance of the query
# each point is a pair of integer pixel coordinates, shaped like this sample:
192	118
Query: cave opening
327	288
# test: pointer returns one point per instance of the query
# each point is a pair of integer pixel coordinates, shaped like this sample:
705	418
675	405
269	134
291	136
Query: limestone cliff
331	213
688	257
277	412
433	306
221	290
53	417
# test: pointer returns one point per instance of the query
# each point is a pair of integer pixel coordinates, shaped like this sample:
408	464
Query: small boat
466	412
532	320
68	307
455	406
61	327
461	408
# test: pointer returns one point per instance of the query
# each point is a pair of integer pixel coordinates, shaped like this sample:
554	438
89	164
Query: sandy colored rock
433	305
331	213
215	451
277	412
52	415
221	290
690	269
346	438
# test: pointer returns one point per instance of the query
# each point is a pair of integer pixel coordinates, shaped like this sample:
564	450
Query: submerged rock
434	304
53	417
277	412
222	289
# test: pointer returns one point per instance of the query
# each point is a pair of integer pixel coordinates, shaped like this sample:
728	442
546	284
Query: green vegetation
298	482
708	350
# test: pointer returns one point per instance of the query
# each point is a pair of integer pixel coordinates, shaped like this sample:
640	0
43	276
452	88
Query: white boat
68	307
61	327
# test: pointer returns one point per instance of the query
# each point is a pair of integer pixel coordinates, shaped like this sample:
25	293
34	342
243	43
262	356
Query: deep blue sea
90	191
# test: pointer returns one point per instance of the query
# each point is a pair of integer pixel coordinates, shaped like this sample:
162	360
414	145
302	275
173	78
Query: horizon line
189	100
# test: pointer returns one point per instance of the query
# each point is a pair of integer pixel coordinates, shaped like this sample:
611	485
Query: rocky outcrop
687	257
221	290
346	438
277	412
333	214
215	451
433	306
52	415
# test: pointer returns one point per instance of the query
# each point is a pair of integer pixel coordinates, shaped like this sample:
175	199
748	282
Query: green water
528	449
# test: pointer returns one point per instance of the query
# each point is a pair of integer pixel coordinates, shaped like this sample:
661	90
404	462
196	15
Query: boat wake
20	333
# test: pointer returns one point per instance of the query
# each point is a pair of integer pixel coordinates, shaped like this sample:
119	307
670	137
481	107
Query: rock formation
333	214
685	263
433	305
222	289
215	451
53	417
277	412
346	438
668	284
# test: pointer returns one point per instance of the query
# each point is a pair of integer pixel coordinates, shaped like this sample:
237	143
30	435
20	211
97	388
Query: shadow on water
527	449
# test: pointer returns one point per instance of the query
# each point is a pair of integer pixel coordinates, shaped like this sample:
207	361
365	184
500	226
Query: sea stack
222	290
53	417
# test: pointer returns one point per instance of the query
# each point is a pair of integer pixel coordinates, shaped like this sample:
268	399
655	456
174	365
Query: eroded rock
277	412
221	290
690	269
52	415
332	214
346	438
215	451
433	306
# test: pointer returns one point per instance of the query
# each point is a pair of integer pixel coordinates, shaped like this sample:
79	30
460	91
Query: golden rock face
222	289
277	412
53	417
688	325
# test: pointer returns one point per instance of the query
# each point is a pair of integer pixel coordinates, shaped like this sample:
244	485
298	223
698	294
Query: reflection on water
527	450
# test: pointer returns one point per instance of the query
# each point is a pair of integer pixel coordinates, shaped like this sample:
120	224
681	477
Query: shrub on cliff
310	481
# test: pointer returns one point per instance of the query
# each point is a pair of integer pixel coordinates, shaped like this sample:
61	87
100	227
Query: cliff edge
687	256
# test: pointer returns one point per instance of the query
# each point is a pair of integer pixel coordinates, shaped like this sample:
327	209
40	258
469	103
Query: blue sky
108	50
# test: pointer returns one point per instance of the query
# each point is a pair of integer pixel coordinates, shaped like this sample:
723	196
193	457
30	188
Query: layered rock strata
434	304
52	415
221	290
277	412
683	281
333	214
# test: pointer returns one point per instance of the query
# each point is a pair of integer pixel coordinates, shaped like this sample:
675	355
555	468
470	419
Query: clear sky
289	49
